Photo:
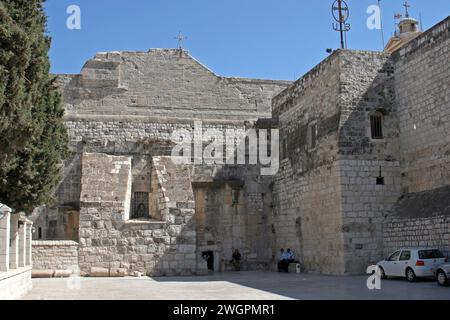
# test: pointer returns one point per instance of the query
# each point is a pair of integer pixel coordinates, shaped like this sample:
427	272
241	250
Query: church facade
364	164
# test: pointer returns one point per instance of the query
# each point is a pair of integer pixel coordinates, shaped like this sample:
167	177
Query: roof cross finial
406	5
180	38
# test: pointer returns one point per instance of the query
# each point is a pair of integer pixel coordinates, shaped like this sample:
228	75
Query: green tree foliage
33	138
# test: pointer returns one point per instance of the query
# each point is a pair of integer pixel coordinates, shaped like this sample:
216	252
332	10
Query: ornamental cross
406	5
180	38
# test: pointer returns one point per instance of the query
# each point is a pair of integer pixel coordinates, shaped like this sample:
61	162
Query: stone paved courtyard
231	286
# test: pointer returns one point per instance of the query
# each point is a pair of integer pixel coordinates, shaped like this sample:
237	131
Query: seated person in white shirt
290	256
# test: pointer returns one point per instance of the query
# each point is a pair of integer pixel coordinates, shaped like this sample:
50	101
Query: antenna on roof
341	13
382	28
397	16
420	19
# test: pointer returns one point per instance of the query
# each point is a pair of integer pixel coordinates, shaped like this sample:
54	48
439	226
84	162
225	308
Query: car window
430	254
394	256
405	256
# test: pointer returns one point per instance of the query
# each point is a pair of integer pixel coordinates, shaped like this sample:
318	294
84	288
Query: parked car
412	263
442	274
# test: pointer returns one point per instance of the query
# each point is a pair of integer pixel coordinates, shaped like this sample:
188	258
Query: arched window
376	125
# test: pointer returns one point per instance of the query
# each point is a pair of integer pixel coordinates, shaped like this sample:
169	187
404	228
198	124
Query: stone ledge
54	243
86	117
137	222
14	272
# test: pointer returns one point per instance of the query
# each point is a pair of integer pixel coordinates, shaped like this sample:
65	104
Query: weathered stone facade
121	112
420	220
336	199
55	255
340	200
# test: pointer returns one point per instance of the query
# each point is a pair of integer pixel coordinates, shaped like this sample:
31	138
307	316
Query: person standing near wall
236	260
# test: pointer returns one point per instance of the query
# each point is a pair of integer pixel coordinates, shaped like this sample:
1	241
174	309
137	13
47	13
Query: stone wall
126	135
233	212
109	239
307	213
330	204
164	83
55	255
422	72
419	220
336	200
364	207
307	217
431	232
366	88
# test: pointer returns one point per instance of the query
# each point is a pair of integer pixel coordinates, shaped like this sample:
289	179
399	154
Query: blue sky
269	39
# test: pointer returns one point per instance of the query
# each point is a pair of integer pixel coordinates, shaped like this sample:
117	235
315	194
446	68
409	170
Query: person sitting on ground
236	260
290	256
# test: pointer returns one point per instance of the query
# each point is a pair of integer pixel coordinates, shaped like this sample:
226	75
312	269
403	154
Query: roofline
186	52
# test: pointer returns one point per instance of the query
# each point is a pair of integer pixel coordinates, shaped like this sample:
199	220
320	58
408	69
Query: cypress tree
33	138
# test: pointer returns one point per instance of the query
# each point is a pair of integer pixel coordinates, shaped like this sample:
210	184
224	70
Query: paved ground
231	286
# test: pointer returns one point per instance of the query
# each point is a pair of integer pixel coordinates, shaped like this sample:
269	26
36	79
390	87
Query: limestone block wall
364	207
167	83
234	214
431	232
419	219
138	137
108	239
55	255
307	217
422	72
307	205
126	135
366	81
330	205
366	86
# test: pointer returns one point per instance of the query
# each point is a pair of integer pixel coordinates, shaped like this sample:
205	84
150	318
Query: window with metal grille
376	126
140	205
284	147
312	136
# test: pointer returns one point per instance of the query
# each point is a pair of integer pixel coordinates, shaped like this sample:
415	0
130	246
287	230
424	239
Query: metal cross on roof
180	38
406	5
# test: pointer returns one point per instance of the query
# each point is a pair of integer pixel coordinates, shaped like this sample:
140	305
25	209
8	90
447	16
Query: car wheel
410	275
442	278
383	274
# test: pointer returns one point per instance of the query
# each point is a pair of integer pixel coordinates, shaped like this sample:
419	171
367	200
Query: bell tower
407	29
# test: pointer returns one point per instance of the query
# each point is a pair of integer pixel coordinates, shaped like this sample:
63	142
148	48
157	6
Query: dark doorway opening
209	258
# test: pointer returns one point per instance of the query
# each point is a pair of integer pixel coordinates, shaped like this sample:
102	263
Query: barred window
312	136
140	205
376	126
284	148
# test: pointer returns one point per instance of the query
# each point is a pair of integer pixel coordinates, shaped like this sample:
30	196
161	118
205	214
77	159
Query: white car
412	263
443	274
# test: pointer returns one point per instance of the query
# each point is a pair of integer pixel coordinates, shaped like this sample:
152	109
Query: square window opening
376	127
140	205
